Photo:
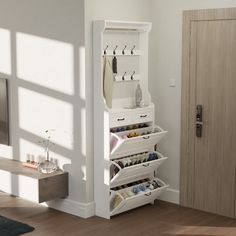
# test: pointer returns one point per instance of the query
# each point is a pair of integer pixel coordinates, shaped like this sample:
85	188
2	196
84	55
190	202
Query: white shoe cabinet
124	132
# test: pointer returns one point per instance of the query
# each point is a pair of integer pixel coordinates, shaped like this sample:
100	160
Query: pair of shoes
153	185
152	156
140	188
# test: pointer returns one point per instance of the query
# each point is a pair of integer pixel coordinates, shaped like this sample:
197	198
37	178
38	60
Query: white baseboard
170	195
84	210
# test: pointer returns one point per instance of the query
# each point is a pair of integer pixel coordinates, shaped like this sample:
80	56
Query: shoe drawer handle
146	137
121	119
148	194
143	116
146	165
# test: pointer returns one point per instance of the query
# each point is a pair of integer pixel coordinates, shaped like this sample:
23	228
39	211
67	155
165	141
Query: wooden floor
160	219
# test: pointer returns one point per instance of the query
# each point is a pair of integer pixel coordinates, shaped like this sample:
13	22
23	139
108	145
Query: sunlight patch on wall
30	149
82	72
107	136
5	51
106	177
45	62
6	181
6	151
38	113
24	184
106	148
83	131
83	168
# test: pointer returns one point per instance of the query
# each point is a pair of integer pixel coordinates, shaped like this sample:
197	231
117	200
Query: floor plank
162	218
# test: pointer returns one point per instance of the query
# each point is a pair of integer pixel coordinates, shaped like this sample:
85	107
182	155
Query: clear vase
138	96
47	166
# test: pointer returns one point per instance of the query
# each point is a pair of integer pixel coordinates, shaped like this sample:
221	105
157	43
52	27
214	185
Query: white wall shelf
32	185
109	146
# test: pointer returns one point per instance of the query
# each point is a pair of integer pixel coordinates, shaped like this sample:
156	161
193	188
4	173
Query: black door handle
199	123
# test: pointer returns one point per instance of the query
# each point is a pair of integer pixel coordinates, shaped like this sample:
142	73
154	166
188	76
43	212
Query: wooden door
209	79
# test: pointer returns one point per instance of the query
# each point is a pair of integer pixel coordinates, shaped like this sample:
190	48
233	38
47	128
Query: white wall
166	49
135	10
44	59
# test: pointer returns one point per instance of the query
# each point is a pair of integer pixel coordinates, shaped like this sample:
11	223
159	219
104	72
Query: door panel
212	83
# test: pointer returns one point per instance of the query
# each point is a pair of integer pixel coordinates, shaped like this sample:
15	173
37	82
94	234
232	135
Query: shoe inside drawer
135	141
131	197
134	167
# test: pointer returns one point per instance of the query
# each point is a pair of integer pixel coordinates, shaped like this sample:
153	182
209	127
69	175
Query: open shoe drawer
136	200
122	146
137	171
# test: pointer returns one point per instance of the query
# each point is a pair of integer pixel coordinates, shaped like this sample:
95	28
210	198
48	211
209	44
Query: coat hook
123	51
105	50
132	50
123	77
114	51
132	76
